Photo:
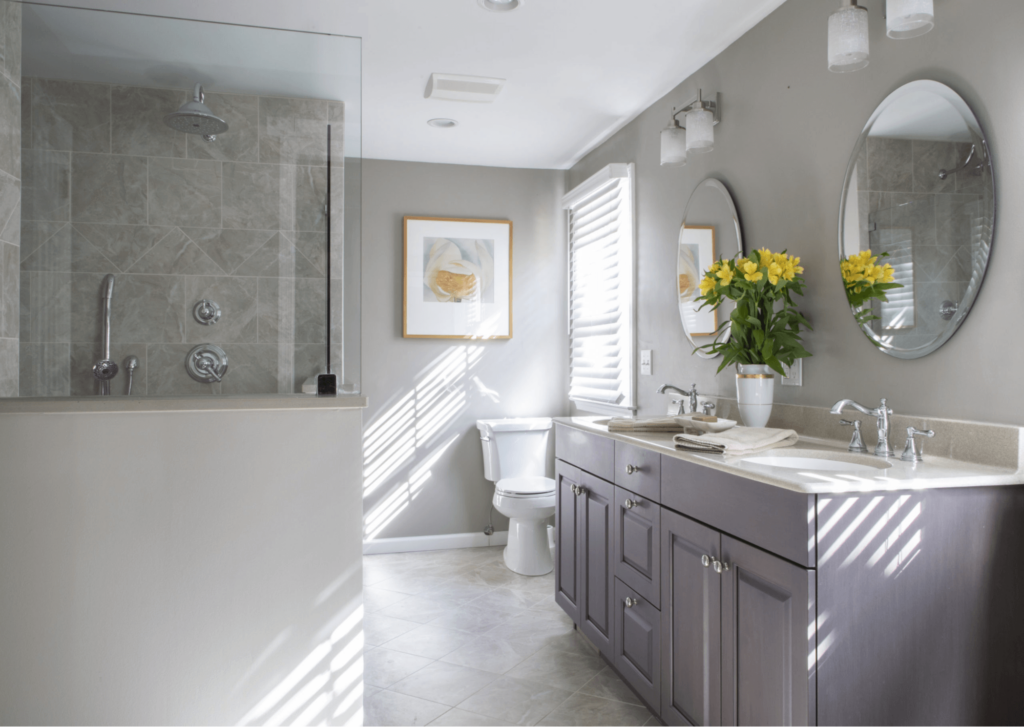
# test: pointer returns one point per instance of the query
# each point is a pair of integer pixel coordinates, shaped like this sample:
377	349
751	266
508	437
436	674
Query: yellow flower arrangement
864	279
758	334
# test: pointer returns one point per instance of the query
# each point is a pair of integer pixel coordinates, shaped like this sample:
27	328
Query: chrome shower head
195	117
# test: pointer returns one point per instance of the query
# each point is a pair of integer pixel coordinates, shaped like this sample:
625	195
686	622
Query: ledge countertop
139	404
932	473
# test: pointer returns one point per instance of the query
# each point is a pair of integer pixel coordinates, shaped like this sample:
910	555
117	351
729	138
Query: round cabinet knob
720	567
630	504
630	602
632	469
705	560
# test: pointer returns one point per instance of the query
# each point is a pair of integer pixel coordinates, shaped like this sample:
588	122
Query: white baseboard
433	542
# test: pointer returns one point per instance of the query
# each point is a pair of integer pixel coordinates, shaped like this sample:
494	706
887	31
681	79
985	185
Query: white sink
818	461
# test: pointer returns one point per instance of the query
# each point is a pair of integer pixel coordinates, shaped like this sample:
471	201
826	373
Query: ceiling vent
449	87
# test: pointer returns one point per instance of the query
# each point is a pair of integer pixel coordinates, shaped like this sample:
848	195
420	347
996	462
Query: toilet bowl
517	460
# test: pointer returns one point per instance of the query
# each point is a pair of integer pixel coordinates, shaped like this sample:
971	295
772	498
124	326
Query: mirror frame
719	186
971	119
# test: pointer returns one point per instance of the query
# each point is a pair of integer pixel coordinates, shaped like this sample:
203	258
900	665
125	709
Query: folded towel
656	424
737	441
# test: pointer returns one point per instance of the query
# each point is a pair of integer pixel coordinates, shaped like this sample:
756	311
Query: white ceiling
576	70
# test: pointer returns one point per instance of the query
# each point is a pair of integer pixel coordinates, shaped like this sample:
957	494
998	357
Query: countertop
933	473
137	404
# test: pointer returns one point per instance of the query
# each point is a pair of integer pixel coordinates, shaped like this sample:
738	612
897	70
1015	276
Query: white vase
755	390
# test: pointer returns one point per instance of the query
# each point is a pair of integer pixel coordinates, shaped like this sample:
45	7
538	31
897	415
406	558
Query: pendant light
908	18
848	38
673	144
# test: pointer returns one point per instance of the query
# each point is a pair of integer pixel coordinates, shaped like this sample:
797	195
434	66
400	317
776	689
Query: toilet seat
524	487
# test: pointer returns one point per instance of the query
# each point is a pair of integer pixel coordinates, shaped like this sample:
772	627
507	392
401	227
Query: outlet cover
794	374
645	363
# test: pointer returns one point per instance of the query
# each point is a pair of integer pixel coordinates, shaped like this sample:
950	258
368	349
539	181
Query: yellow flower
766	257
714	268
725	275
888	274
707	285
750	271
774	271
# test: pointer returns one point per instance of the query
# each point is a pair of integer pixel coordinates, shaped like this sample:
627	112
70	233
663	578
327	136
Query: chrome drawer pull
721	567
630	504
632	468
630	602
705	560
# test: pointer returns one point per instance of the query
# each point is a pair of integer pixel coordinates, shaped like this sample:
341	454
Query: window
601	318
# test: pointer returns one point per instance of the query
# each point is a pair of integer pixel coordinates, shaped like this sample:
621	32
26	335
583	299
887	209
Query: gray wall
788	129
423	467
10	192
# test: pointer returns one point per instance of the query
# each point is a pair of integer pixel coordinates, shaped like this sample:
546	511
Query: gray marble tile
70	116
559	668
377	599
228	248
384	707
35	232
382	667
490	654
973	180
45	307
445	683
429	641
477	619
535	628
379	628
890	165
293	131
252	369
10	294
308	360
313	247
26	113
942	263
954	214
109	189
240	143
517	700
279	258
275	311
252	196
10	127
53	255
914	212
583	709
10	209
9	367
237	300
184	192
456	717
46	185
608	685
44	369
310	310
929	158
309	197
418	609
12	41
176	254
137	119
146	308
85	355
123	245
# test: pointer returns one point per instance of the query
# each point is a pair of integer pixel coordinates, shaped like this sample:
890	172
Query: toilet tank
516	447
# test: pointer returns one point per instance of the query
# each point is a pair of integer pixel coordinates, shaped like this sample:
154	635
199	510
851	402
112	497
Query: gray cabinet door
766	608
567	554
638	643
596	525
638	544
690	622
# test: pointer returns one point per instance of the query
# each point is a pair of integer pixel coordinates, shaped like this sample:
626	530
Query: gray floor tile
608	686
457	717
445	683
414	585
559	669
478	619
376	599
583	709
494	655
540	628
419	609
516	700
379	629
383	667
430	641
391	708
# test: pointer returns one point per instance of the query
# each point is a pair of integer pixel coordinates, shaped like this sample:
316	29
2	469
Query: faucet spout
843	403
881	413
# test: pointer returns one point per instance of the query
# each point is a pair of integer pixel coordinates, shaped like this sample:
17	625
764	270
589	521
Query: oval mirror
919	201
710	230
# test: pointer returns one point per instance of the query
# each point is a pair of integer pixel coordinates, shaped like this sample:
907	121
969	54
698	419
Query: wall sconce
848	38
696	135
908	18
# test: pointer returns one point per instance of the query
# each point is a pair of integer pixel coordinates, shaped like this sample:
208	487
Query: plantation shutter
601	317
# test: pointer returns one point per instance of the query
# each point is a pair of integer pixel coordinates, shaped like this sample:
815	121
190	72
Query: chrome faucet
692	393
882	413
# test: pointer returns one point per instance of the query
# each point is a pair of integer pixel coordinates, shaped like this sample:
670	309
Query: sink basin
818	461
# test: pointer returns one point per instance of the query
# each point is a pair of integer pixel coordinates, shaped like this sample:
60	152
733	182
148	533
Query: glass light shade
673	145
909	18
700	130
848	39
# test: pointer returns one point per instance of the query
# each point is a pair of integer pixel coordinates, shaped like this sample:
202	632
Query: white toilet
518	461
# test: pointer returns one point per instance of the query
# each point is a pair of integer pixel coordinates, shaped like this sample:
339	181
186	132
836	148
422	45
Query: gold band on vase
755	376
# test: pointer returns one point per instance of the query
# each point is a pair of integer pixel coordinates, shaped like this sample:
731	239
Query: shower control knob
206	312
207	363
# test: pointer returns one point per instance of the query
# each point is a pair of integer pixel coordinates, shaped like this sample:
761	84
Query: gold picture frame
456	278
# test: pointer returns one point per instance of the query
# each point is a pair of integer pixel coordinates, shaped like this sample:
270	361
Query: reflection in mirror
710	230
916	220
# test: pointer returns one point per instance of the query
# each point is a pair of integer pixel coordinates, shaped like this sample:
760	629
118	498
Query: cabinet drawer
638	470
638	544
780	521
638	643
590	452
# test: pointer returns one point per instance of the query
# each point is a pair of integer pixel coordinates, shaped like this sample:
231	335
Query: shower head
195	117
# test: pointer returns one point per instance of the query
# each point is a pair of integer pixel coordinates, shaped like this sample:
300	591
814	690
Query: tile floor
455	638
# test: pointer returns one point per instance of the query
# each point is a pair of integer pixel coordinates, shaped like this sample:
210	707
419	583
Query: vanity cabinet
567	554
637	544
638	643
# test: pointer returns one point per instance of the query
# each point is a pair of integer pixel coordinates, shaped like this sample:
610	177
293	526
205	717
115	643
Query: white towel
655	424
737	441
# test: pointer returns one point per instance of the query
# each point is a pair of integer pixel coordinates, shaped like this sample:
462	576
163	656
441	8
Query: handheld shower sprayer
105	369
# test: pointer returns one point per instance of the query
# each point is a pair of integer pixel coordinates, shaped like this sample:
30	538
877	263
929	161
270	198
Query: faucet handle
707	406
857	441
910	451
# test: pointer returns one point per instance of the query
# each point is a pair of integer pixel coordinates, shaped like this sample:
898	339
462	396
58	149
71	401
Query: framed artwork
458	278
696	255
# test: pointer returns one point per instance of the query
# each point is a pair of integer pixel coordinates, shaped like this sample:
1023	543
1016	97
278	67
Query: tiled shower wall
239	221
10	192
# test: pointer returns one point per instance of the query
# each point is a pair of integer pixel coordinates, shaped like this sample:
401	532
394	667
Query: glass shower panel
217	246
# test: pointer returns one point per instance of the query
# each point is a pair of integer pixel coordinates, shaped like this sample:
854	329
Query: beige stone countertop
138	404
933	473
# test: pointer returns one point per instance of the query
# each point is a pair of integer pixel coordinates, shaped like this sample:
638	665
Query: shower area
180	207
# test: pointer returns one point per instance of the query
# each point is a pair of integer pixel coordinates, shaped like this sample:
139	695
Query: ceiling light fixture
443	123
848	38
908	18
696	135
499	6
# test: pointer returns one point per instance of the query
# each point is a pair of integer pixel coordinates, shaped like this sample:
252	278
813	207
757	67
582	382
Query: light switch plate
645	363
794	374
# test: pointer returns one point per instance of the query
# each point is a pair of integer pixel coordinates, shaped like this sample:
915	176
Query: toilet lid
526	485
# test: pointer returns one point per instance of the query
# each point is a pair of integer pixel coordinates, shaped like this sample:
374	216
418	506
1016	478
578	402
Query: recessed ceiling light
500	6
443	123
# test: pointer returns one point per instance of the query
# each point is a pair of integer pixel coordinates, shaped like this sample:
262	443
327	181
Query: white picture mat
702	238
466	319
